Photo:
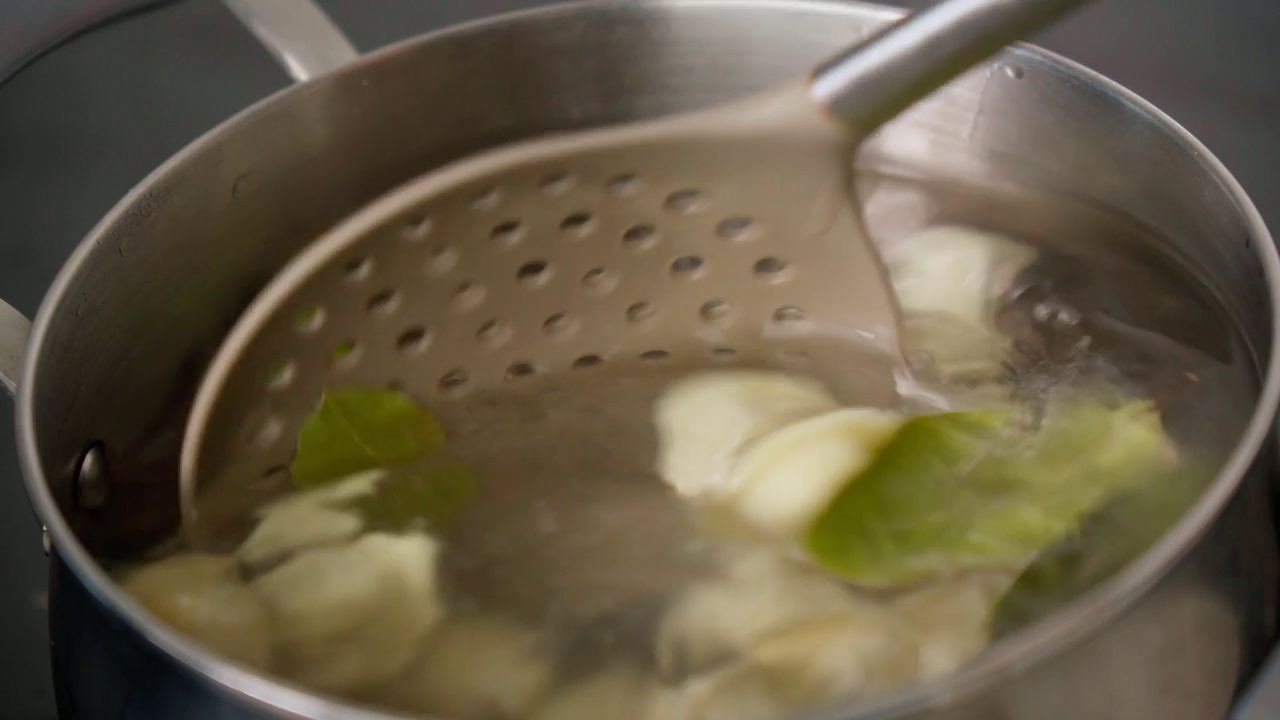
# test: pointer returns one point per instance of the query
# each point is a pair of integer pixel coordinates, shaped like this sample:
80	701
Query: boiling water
575	527
1106	301
574	534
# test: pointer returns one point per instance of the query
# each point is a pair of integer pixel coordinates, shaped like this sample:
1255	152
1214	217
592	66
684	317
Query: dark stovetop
87	121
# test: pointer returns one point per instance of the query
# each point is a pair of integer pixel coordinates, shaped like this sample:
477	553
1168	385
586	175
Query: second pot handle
14	328
298	33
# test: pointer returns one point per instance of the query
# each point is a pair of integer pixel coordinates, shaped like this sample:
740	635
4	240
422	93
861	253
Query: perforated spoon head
732	228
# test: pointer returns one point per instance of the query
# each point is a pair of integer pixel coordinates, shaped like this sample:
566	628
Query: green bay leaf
1110	539
425	495
358	429
965	491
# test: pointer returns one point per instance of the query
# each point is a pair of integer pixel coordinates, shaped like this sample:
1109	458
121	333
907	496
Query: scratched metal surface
87	121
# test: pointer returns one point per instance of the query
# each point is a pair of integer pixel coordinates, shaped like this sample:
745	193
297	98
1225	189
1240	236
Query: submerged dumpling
954	271
951	619
309	519
202	597
771	653
948	280
785	480
478	667
719	620
773	638
704	420
808	666
351	617
863	650
762	453
615	693
293	527
739	692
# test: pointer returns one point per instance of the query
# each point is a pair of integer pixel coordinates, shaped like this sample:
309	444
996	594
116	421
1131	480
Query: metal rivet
92	482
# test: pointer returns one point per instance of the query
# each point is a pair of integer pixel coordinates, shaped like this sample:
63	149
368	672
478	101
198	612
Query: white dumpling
615	693
704	420
202	597
351	617
716	621
738	692
948	281
786	479
863	650
337	494
480	667
291	527
954	271
804	666
307	519
951	619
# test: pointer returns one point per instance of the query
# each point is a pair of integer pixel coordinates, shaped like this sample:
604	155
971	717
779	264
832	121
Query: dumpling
785	480
951	619
477	667
704	420
353	616
615	693
719	620
948	281
292	527
202	597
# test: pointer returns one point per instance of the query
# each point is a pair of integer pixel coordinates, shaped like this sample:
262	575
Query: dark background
84	123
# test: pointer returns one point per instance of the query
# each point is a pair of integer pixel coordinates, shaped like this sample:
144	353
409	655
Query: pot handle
297	33
14	328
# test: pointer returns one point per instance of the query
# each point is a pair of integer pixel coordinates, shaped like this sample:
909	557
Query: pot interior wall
162	279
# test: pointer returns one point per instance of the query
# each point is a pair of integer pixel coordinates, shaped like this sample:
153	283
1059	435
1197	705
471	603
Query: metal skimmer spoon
725	229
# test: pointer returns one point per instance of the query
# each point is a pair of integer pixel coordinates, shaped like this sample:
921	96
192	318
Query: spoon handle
888	72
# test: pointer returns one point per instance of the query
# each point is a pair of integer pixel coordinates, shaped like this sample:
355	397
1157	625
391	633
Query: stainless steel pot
112	358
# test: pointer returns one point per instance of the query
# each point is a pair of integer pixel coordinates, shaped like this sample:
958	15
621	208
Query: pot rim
1067	627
